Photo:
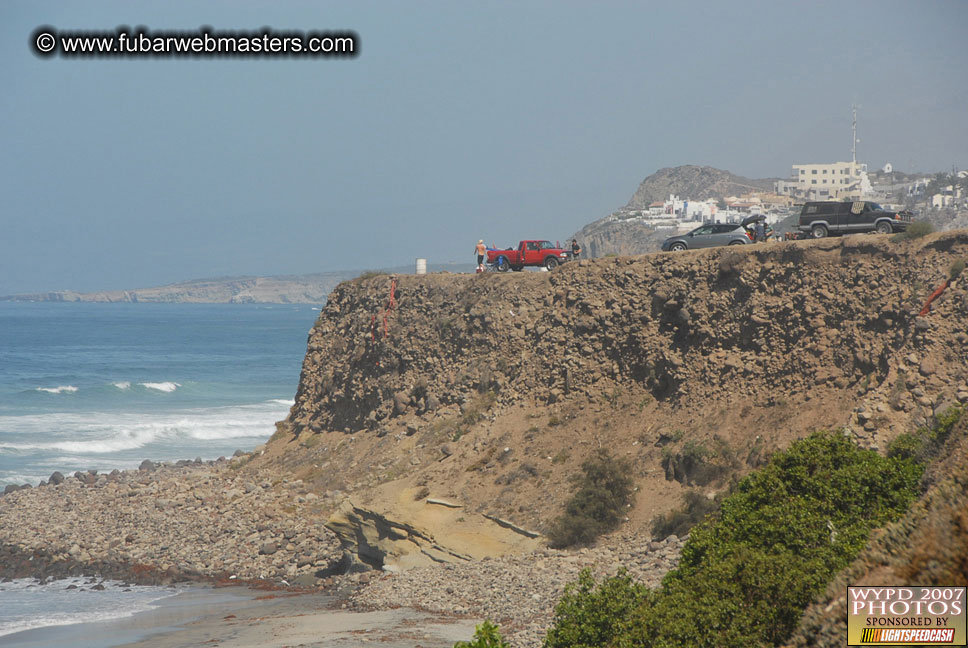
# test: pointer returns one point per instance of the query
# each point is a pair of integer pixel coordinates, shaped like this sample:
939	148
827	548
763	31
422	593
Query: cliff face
618	236
490	389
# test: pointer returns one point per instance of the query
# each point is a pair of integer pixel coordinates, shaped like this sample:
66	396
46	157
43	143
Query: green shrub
944	423
745	576
924	443
587	616
917	229
486	635
784	532
603	491
957	267
907	446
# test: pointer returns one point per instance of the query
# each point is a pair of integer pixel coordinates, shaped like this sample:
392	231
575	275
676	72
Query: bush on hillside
603	492
915	230
486	635
369	274
587	616
746	575
956	268
924	443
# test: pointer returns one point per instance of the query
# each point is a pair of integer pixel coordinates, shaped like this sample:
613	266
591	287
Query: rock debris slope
165	523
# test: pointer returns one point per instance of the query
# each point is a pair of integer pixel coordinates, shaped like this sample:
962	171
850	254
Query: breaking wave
33	445
166	387
98	433
60	389
63	606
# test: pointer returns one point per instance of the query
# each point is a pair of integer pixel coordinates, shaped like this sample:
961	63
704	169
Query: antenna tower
853	148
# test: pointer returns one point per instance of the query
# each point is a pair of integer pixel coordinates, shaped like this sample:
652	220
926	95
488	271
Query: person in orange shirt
481	253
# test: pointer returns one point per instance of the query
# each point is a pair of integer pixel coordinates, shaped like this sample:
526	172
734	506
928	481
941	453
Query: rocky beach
518	592
213	522
167	523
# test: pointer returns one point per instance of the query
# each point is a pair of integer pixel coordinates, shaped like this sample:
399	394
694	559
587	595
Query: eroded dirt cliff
489	390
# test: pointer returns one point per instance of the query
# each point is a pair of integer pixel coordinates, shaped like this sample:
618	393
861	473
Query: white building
835	181
691	210
947	197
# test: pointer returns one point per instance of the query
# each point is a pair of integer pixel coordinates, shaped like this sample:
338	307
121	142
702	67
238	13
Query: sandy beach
241	618
280	620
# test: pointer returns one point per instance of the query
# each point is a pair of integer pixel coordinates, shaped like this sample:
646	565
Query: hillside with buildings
676	200
697	183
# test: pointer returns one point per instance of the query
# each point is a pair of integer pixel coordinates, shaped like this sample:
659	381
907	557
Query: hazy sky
457	121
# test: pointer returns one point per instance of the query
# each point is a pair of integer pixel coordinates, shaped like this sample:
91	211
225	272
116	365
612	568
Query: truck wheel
884	228
818	231
551	262
502	264
736	243
677	247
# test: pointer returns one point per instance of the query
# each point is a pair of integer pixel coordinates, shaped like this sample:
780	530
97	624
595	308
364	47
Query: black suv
822	219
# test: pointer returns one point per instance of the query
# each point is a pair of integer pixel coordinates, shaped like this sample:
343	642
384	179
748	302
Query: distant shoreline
281	289
302	289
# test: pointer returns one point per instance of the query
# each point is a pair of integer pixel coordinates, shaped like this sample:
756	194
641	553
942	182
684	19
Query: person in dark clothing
575	249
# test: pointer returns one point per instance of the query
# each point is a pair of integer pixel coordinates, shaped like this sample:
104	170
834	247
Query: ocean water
104	386
71	612
71	601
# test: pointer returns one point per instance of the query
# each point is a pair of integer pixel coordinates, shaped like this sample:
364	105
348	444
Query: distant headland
281	289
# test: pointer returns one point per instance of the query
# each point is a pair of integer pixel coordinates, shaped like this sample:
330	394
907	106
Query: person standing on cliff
760	229
481	252
575	249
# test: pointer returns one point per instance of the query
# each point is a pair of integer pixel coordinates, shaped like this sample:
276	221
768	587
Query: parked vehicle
823	219
709	235
528	253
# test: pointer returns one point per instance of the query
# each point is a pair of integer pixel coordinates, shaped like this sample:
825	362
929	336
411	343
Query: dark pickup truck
821	219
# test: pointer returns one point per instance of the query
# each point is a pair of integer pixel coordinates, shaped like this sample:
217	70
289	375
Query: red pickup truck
528	253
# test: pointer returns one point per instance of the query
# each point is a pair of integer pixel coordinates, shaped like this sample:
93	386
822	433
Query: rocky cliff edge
489	390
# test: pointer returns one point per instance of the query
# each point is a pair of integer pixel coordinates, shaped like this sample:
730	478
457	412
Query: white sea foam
167	387
122	385
104	433
60	389
23	600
